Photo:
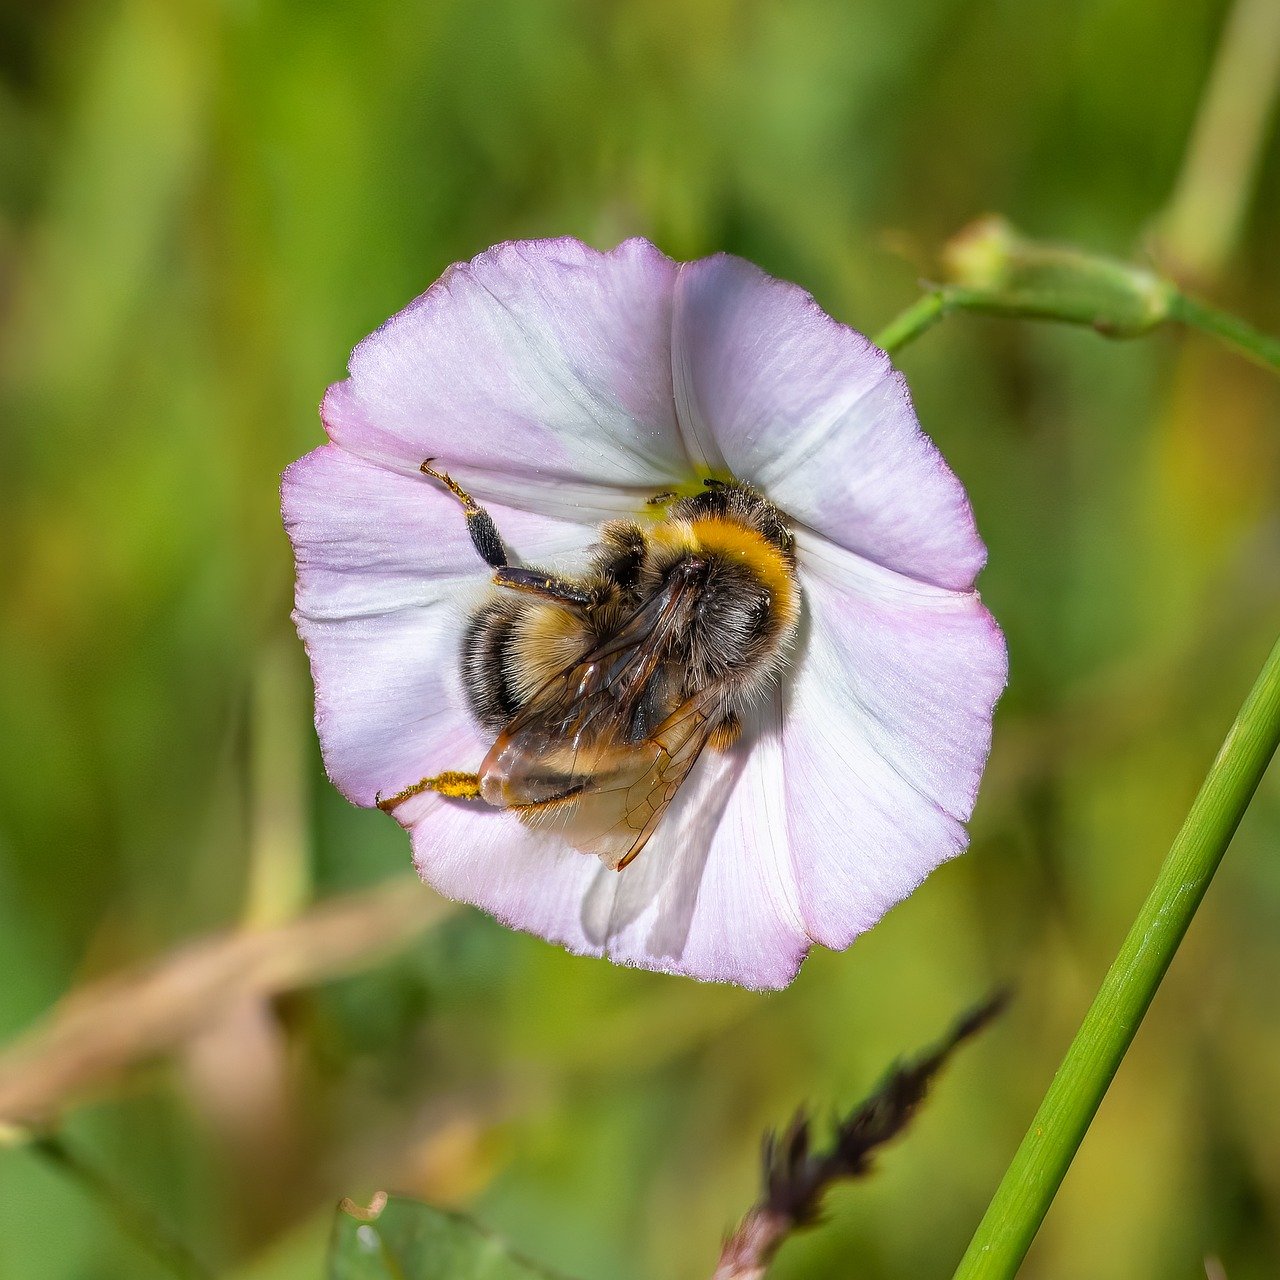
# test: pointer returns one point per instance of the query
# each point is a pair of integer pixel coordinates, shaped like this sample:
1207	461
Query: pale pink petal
717	895
712	895
773	389
886	732
563	386
526	879
386	578
536	365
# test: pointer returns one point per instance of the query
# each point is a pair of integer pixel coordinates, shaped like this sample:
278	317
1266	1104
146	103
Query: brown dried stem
133	1017
796	1178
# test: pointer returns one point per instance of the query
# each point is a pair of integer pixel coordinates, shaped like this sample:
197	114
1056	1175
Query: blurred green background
205	205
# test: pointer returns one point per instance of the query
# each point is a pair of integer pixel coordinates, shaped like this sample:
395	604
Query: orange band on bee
735	541
715	535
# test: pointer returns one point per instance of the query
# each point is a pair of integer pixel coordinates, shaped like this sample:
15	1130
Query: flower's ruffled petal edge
886	732
712	896
539	371
387	576
815	416
708	903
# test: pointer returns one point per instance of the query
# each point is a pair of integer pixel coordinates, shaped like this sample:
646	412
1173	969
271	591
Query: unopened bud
1001	271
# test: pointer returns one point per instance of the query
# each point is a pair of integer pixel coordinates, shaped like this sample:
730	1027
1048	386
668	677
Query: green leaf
405	1240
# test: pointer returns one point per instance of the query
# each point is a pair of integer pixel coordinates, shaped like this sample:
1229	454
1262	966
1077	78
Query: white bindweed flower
562	388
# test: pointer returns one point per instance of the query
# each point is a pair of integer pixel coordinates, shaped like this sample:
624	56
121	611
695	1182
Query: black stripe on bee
487	664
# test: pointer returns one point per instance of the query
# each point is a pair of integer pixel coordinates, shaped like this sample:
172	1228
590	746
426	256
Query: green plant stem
1005	1233
922	314
130	1216
1234	332
927	310
942	300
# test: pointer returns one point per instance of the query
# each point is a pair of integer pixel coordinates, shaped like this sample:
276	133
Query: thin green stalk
1005	1233
921	315
1235	333
994	270
130	1216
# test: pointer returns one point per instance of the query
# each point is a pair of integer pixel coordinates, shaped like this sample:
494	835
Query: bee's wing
617	808
570	759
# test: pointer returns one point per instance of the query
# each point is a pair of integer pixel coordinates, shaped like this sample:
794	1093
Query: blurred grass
203	206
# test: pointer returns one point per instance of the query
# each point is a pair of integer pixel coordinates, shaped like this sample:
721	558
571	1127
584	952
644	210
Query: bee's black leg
535	582
484	533
488	542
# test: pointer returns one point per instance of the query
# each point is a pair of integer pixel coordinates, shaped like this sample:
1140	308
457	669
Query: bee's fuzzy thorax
717	536
737	636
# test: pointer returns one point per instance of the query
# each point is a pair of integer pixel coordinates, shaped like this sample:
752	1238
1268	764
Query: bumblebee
602	690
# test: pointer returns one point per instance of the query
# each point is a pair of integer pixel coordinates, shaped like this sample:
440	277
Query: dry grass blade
108	1026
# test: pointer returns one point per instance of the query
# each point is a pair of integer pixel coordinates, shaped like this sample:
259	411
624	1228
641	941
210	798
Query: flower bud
998	270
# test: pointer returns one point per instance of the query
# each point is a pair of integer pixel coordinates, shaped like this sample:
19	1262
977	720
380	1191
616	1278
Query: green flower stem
995	270
927	310
1005	1233
1235	333
922	314
130	1216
